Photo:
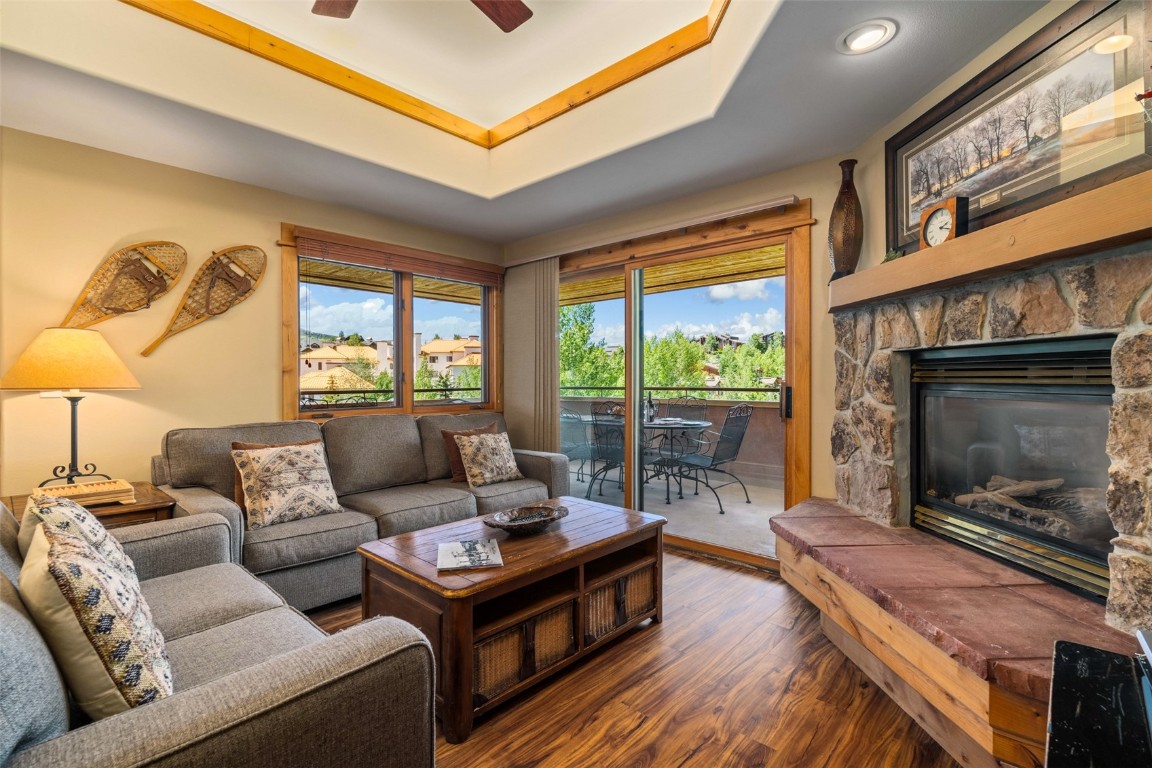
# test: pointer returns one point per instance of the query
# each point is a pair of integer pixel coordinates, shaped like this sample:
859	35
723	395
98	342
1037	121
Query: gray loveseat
256	683
391	475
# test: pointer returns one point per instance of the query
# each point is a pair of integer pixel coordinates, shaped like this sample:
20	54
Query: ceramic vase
845	225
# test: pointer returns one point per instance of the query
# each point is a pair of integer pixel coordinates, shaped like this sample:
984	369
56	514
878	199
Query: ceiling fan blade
337	9
506	14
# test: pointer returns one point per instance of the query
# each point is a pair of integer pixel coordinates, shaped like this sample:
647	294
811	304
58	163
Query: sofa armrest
197	500
362	697
180	544
549	468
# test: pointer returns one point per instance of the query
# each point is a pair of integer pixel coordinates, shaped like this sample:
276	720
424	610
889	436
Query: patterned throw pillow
97	624
453	450
285	482
68	516
488	459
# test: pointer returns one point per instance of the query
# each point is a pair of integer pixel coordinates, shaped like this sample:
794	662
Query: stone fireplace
1106	294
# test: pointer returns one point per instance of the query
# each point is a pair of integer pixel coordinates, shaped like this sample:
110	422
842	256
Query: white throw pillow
285	482
96	623
488	459
68	516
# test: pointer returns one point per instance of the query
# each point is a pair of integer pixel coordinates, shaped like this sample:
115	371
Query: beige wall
64	208
819	181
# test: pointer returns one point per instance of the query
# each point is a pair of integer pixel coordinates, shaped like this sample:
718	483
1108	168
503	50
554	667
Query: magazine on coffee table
476	553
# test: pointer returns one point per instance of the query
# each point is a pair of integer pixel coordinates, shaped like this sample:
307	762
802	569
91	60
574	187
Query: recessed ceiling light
866	36
1113	44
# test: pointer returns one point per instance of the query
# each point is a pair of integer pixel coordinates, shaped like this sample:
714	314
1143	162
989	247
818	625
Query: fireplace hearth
1009	454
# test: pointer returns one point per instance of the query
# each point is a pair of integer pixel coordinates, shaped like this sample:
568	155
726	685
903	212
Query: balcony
759	464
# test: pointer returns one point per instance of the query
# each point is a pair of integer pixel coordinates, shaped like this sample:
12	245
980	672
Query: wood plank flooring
737	675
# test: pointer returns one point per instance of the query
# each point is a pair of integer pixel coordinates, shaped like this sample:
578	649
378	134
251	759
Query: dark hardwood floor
737	675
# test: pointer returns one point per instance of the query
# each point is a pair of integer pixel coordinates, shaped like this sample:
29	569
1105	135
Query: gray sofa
256	683
391	475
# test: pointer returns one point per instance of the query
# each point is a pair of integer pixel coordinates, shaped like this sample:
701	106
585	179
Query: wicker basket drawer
614	604
517	653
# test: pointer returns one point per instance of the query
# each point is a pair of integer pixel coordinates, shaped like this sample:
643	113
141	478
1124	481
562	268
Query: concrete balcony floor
743	526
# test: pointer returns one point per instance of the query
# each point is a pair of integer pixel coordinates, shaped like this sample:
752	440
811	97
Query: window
386	327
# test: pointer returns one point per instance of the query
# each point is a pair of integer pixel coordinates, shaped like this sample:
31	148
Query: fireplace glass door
1014	463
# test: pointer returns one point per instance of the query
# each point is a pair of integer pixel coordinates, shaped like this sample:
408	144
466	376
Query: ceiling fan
506	14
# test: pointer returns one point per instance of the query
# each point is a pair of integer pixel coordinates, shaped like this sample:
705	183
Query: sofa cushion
97	624
35	705
10	557
283	483
488	459
435	456
68	516
501	496
307	540
201	598
204	656
370	452
411	507
453	450
202	456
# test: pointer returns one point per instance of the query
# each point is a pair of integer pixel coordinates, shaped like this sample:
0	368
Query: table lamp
69	359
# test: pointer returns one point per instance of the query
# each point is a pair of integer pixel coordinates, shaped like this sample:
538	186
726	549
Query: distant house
441	354
328	356
474	360
333	379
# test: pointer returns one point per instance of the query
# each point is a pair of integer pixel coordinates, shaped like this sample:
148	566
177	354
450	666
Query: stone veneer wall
1109	292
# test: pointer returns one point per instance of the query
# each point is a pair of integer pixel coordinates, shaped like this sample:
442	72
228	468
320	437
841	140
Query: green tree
584	364
469	379
711	344
673	361
425	379
384	383
355	340
362	367
745	366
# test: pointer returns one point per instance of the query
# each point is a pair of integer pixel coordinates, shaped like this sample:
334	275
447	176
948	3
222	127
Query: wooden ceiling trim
683	41
220	26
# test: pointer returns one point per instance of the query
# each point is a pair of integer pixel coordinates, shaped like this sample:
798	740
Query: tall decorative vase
845	226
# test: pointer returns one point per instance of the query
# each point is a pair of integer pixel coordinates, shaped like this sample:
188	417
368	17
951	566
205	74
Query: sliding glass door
654	359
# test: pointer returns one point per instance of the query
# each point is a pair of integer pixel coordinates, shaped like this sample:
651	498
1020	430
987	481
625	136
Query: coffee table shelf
497	631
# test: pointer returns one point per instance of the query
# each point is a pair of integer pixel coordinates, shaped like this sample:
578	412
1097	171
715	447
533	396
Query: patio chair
687	407
607	444
574	440
724	449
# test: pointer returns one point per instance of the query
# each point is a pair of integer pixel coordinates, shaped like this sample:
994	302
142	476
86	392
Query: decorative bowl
525	521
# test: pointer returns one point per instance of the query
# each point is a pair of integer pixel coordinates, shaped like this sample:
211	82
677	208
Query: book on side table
475	553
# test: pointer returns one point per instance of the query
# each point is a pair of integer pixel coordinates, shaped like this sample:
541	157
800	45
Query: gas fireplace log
1013	489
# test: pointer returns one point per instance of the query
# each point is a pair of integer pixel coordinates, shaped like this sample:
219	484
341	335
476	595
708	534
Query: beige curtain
531	363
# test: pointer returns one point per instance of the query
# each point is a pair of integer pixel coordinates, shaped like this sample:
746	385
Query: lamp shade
69	358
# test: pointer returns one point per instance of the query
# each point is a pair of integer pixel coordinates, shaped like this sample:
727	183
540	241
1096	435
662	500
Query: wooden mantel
1111	216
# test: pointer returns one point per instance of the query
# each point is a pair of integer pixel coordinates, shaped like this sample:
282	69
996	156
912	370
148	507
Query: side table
151	504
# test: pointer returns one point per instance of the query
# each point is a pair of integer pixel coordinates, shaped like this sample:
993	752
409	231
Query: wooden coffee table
560	595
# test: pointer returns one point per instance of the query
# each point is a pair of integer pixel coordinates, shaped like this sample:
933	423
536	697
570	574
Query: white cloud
742	325
447	326
743	291
371	317
613	335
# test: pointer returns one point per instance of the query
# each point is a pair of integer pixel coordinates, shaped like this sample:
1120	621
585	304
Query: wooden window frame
405	262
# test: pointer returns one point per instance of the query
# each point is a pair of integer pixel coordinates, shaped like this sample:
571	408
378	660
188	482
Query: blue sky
739	309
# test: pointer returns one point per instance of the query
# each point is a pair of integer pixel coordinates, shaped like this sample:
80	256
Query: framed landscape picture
1055	117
